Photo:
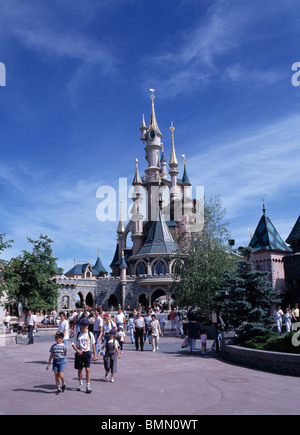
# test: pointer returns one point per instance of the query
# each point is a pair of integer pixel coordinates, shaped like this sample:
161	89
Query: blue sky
78	80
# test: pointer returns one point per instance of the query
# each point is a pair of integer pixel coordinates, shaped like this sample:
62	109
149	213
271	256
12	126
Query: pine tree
251	295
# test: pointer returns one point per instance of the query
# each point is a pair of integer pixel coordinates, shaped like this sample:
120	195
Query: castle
144	271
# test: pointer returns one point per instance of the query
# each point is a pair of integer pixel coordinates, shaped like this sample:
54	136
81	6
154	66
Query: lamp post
214	321
226	301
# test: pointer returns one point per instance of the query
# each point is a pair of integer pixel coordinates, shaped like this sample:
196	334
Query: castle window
159	268
141	269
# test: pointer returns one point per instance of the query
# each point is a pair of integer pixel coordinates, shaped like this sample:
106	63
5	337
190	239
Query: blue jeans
30	334
192	344
131	334
96	335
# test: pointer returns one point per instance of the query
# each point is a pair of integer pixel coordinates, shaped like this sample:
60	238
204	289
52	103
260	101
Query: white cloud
206	53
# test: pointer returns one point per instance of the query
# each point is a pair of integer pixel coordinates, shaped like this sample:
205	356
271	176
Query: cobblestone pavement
167	382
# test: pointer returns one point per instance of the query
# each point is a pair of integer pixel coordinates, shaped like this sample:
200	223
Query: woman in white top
287	320
278	314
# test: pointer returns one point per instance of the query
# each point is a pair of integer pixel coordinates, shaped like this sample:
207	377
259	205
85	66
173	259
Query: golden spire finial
173	159
184	159
251	235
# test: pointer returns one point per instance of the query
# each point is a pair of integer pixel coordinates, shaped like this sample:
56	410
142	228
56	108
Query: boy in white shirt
83	343
63	327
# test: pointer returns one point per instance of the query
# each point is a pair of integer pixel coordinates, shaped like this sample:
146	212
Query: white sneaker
112	381
153	350
157	348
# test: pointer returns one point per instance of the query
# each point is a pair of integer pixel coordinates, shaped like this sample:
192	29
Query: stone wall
284	363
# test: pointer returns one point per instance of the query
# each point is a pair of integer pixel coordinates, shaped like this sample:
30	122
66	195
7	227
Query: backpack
110	353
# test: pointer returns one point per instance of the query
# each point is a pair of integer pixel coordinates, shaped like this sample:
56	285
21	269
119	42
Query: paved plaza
167	382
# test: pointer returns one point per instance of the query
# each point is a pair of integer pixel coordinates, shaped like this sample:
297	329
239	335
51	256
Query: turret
173	164
143	129
136	211
163	163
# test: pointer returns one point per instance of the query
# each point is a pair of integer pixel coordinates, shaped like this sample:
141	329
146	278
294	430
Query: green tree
251	295
207	256
29	277
3	245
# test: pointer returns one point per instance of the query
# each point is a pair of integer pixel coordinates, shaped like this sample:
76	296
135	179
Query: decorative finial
264	207
136	162
184	159
98	253
251	235
162	147
152	96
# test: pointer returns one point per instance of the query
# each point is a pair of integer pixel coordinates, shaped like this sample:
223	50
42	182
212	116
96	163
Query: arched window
176	267
159	268
141	269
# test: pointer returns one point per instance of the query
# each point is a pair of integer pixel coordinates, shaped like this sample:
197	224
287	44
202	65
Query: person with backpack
111	356
83	343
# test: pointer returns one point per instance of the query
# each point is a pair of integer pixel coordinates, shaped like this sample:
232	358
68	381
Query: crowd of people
288	317
95	334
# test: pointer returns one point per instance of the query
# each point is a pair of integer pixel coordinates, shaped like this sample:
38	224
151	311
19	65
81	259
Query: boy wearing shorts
58	353
83	343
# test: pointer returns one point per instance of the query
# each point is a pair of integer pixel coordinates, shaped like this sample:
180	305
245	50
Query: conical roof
159	240
266	237
99	268
295	233
153	123
137	179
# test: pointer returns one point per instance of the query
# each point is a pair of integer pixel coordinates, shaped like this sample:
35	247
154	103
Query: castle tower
292	264
268	252
136	212
152	137
175	211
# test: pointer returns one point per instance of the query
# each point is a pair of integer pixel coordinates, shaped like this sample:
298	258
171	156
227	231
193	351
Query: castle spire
137	179
143	129
121	227
173	160
153	123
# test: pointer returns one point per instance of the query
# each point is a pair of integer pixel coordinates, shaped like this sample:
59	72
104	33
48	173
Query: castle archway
113	302
89	300
156	294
